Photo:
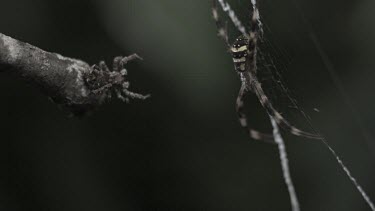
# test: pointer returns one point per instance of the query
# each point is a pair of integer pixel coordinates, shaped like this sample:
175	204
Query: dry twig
69	82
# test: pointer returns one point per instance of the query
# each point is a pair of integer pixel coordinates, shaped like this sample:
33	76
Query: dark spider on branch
71	83
101	80
244	54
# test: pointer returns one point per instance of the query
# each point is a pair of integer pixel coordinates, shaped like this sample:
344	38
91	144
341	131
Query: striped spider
244	54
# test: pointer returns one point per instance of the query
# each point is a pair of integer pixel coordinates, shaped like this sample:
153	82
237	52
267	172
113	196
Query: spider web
272	63
276	132
269	74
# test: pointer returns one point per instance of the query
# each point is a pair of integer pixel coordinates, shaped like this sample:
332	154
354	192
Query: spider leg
280	120
130	58
222	29
102	89
255	86
103	66
125	95
133	95
119	96
254	134
256	26
119	62
117	66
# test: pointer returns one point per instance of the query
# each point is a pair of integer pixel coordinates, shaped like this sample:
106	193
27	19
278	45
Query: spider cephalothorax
101	80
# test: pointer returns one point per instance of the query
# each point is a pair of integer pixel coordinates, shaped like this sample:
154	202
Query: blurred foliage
183	149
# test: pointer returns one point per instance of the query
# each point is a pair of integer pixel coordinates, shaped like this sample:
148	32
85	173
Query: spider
244	54
101	80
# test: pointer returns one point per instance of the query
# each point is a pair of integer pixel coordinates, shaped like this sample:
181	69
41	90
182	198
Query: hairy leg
254	134
221	28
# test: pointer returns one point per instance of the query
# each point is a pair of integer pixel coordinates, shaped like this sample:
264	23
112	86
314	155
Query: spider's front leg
119	62
130	58
221	28
118	67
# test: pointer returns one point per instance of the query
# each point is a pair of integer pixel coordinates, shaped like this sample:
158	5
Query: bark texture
62	79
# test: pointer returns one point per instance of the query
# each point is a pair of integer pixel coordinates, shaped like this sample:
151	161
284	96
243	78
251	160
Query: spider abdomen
240	52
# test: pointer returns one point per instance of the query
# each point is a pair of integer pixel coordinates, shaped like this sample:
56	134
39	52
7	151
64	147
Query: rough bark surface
61	78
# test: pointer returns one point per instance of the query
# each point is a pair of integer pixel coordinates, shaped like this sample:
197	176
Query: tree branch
72	83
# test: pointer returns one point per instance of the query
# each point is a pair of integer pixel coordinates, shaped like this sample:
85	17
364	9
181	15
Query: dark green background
183	149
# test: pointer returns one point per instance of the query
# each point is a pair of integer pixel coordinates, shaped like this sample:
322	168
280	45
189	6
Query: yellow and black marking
240	53
244	54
